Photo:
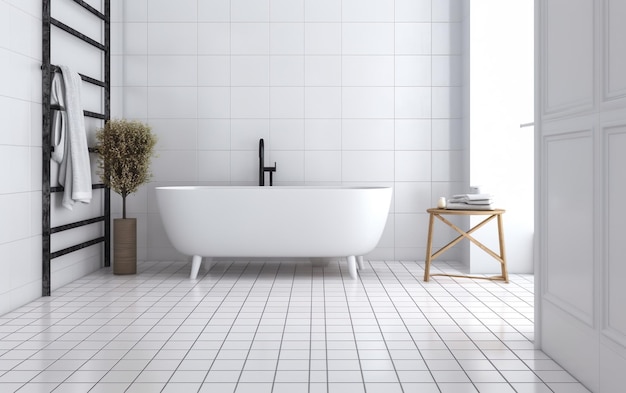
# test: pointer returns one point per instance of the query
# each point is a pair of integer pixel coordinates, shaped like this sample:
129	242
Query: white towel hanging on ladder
71	139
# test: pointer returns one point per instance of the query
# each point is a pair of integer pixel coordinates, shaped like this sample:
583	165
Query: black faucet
262	167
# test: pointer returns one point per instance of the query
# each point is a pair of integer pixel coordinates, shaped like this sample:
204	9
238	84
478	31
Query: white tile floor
279	327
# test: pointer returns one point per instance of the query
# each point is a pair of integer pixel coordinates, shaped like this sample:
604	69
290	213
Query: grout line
325	330
343	282
260	319
282	338
381	330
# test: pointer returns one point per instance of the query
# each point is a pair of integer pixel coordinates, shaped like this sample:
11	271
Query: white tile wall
176	134
17	179
323	38
287	38
175	165
322	11
135	10
367	11
287	70
367	70
20	153
172	102
220	67
323	102
446	10
135	38
168	11
446	70
213	166
445	134
413	166
213	134
159	71
367	166
413	102
214	102
323	70
244	166
287	11
13	211
354	92
366	134
250	102
172	38
214	39
446	102
245	133
368	102
287	134
413	38
5	26
446	38
287	102
322	166
293	172
322	134
413	10
214	11
249	10
20	156
249	71
412	197
250	39
415	70
134	69
413	134
135	102
368	38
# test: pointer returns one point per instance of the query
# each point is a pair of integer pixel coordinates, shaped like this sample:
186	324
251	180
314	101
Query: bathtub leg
195	266
359	261
352	266
208	264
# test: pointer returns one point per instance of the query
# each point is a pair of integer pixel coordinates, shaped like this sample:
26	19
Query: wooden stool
439	214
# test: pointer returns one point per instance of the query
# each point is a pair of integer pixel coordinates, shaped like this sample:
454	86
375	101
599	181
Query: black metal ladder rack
48	71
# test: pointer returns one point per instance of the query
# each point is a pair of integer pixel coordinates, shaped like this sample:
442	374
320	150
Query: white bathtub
233	221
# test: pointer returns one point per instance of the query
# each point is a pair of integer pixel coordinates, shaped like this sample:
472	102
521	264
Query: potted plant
124	149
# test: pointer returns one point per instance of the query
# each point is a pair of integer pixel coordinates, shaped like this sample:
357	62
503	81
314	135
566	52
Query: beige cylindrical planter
125	246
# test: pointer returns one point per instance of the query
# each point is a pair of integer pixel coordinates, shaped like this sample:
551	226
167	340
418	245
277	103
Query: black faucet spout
261	162
262	167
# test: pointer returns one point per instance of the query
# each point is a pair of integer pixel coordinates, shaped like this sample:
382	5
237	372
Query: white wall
20	157
343	92
20	153
581	139
501	153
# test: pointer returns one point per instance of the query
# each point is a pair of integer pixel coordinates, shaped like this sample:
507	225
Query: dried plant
125	148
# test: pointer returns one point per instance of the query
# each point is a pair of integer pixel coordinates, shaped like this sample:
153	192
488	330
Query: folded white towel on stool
473	199
466	206
471	202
